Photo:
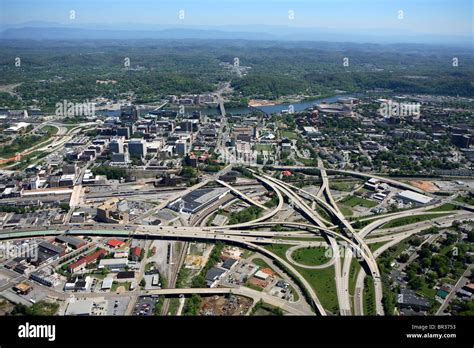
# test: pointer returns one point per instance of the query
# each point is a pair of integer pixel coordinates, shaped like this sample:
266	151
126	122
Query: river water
270	109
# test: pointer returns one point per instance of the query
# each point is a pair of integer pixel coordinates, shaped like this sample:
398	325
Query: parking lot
117	305
145	305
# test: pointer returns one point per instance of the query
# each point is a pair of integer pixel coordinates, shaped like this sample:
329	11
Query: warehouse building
413	197
198	199
114	264
73	242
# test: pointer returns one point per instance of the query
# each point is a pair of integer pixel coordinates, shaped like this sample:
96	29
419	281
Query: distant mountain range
54	31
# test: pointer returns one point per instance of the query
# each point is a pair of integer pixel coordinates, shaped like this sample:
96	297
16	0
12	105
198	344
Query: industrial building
213	276
413	197
198	199
113	264
72	242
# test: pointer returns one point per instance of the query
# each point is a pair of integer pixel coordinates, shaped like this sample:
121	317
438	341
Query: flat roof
414	196
107	283
214	273
262	275
120	261
198	198
80	307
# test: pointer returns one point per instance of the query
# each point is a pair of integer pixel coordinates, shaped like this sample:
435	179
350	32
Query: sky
445	17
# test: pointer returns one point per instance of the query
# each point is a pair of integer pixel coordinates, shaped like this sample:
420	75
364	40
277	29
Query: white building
413	197
17	128
113	264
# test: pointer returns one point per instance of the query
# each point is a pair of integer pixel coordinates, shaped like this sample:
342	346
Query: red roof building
85	260
286	173
114	243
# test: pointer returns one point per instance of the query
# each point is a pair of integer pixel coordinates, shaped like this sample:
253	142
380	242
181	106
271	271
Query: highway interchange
339	235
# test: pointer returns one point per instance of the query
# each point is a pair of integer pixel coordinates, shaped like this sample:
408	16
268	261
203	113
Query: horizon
395	21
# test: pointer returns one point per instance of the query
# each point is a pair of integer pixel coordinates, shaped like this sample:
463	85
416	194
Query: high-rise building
181	147
137	147
128	113
123	132
461	140
116	145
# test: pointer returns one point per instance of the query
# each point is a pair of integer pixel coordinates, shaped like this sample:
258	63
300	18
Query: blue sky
420	16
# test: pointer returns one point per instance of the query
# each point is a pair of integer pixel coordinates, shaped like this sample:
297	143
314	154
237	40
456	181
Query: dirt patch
195	261
427	186
260	102
225	305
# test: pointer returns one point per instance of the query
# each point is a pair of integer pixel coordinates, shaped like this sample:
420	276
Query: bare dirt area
427	186
225	305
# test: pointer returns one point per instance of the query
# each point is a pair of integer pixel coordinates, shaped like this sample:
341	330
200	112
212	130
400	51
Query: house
442	293
469	287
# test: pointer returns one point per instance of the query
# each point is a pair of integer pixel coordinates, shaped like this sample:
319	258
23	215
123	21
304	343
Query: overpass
241	291
241	194
392	182
190	233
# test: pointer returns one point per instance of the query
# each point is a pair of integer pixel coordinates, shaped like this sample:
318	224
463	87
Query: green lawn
23	142
427	291
375	246
308	162
173	307
411	220
346	186
346	211
253	287
466	200
116	285
261	263
263	147
321	280
309	239
444	207
352	201
247	253
310	256
288	134
26	160
323	213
